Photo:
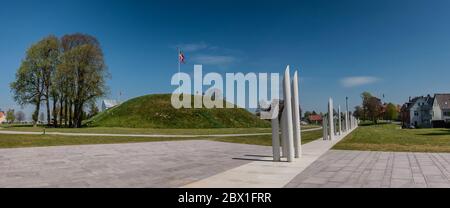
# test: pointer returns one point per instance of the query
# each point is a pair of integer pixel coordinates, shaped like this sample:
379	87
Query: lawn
15	141
119	130
390	137
266	140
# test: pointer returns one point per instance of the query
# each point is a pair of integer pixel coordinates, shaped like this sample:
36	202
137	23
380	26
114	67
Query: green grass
119	130
390	137
156	111
16	141
266	140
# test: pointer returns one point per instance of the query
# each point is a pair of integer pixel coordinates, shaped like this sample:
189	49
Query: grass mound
156	111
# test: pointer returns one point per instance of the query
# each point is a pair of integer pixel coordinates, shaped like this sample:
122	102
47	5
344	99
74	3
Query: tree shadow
374	124
442	132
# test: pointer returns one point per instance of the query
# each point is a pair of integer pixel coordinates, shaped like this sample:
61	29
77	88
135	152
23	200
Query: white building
441	110
418	112
107	104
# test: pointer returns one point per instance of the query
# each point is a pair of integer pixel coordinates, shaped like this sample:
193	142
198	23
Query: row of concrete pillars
285	119
336	125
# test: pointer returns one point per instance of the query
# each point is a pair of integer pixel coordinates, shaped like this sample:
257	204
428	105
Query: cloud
214	59
358	81
192	47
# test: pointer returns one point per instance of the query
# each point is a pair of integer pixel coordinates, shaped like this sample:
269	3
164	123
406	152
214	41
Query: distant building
2	117
441	111
315	119
107	104
417	112
427	111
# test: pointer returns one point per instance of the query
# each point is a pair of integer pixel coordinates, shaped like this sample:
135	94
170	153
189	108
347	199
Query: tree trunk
36	113
60	111
66	106
49	116
70	114
55	113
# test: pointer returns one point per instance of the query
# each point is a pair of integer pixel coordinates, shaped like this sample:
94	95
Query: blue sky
392	47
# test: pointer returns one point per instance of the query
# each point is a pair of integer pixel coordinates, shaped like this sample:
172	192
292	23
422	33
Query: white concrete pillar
325	128
339	120
288	117
330	118
283	134
296	117
276	139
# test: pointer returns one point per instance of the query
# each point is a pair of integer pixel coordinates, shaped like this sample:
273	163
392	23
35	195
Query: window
416	113
447	113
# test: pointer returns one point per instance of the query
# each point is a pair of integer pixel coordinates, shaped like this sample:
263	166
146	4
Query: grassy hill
156	111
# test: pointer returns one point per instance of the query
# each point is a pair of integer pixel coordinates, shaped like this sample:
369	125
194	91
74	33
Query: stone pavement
339	168
265	173
152	164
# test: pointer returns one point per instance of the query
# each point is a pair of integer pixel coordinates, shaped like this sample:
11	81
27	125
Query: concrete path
139	135
338	168
152	164
265	173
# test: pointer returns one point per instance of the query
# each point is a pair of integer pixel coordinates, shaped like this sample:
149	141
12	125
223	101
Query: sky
398	48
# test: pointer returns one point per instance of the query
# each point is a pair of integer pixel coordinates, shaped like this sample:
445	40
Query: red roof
2	114
315	118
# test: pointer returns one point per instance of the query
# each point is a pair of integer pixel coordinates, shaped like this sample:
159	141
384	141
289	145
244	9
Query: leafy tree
365	96
66	74
83	60
28	86
358	113
307	114
10	116
374	108
391	112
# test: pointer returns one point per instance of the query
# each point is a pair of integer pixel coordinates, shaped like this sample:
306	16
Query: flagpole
179	70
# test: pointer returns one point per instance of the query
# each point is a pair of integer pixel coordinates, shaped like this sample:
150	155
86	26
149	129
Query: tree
374	108
365	96
27	88
10	117
307	114
20	116
358	113
391	112
83	61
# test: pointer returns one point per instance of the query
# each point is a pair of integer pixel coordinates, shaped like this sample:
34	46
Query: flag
181	58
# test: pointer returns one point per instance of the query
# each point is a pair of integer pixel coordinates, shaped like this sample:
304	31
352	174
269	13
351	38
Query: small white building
441	110
418	112
107	104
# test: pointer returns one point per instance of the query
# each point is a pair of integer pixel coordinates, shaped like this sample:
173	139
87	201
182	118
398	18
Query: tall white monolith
325	128
296	117
331	118
288	116
339	120
275	133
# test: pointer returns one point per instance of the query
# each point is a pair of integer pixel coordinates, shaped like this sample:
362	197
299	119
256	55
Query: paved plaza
200	163
376	169
152	164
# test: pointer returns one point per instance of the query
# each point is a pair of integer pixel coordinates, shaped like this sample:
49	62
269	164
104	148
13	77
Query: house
2	117
441	111
315	119
107	104
418	112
